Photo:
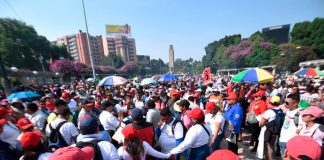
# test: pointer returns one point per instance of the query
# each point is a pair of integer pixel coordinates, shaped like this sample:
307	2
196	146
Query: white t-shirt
269	115
108	121
212	120
38	119
43	156
123	154
67	130
10	134
289	128
167	139
73	105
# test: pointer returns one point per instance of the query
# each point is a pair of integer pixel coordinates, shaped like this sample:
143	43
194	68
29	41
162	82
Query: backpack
56	140
183	126
275	126
296	119
93	144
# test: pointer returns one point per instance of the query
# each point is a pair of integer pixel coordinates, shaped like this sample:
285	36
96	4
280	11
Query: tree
113	60
130	68
310	34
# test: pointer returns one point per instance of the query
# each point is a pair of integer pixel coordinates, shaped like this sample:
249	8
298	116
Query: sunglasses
287	103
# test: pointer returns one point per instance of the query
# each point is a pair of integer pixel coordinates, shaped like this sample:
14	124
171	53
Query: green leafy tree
113	60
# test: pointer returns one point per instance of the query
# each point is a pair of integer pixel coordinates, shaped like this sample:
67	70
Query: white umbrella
147	81
112	80
90	80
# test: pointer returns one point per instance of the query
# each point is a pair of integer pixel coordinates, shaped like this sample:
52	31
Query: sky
189	25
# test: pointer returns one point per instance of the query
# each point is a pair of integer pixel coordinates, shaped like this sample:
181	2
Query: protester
223	155
69	153
302	148
134	148
7	152
10	131
197	138
152	115
37	116
184	108
107	119
144	129
33	146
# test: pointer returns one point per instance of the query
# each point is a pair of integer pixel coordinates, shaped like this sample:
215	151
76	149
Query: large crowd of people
185	119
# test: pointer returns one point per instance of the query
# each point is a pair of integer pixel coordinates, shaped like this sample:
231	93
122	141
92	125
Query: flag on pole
206	75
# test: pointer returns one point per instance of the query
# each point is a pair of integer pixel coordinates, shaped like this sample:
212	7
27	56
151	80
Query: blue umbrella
22	95
147	81
168	77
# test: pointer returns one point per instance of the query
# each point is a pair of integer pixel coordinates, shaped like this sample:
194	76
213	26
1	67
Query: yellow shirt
53	116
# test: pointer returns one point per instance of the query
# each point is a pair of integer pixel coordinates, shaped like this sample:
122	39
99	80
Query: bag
275	126
94	145
228	130
252	118
296	119
183	126
56	140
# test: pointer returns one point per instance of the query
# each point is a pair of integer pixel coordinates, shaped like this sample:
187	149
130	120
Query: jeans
199	153
215	145
282	148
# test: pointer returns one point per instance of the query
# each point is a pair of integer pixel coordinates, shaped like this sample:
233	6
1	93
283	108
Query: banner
206	75
125	29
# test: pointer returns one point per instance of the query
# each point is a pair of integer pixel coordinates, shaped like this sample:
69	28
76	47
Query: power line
13	10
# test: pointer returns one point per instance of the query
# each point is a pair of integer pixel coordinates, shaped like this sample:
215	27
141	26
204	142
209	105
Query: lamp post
88	41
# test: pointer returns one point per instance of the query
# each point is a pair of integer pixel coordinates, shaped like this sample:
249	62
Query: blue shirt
234	114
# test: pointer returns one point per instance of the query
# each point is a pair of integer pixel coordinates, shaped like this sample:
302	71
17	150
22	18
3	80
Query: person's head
64	112
5	114
137	114
258	96
275	101
211	108
75	153
66	97
32	145
150	104
309	89
133	144
87	104
50	97
183	105
5	104
174	95
60	104
311	114
292	101
165	115
25	125
128	99
224	154
31	108
231	98
197	116
42	103
17	103
295	89
191	98
302	148
88	125
107	105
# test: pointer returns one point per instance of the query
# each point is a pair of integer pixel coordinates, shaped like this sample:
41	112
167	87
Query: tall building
120	45
279	34
119	41
76	45
171	59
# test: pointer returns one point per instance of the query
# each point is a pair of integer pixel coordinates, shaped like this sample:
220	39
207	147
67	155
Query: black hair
200	120
32	107
33	153
135	148
191	98
65	111
165	112
150	104
294	96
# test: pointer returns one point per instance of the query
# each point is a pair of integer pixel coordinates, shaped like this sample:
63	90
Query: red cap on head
210	106
259	94
85	153
222	155
264	88
303	145
65	95
2	122
24	123
30	140
313	110
232	96
130	132
196	113
4	112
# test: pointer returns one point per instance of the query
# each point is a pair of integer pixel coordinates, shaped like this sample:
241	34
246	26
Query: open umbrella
147	81
112	80
309	72
253	75
168	77
22	95
90	80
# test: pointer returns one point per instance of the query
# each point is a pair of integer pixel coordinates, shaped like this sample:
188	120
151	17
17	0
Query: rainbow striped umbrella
309	72
253	75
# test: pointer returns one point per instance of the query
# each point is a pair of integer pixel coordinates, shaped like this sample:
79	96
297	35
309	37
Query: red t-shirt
258	107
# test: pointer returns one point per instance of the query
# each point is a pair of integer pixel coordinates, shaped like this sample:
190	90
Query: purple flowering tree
129	68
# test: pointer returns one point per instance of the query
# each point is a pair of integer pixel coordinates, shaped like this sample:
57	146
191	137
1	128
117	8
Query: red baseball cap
30	139
303	145
67	153
313	110
259	94
222	155
130	132
2	122
4	112
262	87
65	94
232	96
24	123
210	106
174	92
4	102
196	113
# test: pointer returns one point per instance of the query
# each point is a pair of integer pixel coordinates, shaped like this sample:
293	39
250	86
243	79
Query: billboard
122	29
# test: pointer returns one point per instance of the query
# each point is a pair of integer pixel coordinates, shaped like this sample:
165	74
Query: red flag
206	75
